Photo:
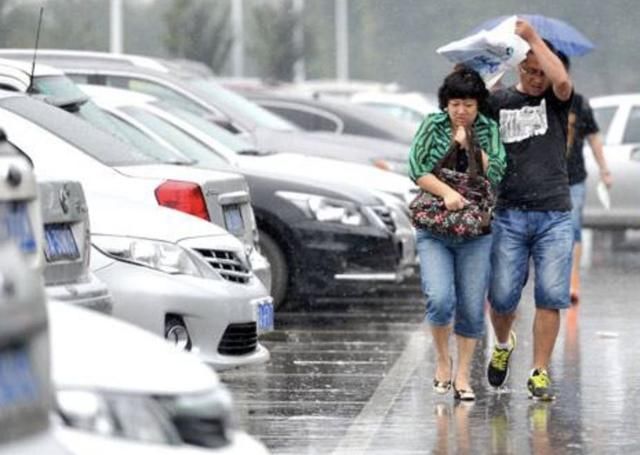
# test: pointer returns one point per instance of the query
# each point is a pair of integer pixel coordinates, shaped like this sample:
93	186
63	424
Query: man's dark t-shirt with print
534	132
581	124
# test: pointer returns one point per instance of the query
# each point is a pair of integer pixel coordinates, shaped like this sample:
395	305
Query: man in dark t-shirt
582	124
532	218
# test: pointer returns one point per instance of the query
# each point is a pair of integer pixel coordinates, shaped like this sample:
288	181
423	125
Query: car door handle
635	154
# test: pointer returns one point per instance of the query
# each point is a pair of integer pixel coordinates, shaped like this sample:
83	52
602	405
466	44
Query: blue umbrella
562	35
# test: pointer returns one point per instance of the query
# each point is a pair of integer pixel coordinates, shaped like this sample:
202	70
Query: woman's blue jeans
455	276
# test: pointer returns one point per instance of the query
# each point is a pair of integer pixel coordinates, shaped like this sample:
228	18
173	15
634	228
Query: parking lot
354	376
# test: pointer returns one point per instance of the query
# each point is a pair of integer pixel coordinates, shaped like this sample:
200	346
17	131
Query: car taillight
183	196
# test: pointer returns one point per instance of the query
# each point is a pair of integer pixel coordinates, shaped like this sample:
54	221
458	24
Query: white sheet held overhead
490	52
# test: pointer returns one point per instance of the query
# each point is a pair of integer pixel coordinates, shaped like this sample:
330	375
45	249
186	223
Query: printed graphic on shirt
519	124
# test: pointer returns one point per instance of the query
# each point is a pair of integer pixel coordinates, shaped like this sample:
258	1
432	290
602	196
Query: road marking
366	425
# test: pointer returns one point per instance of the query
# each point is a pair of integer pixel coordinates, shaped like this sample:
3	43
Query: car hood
324	170
92	351
276	178
118	216
363	149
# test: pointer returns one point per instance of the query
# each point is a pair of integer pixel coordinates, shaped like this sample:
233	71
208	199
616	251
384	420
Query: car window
306	120
603	116
77	132
58	86
215	94
632	130
232	141
153	89
145	144
186	144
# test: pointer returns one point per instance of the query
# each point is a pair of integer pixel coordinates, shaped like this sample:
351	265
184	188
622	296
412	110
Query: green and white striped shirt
434	136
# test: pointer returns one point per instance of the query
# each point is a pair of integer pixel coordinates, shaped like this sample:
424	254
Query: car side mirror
635	154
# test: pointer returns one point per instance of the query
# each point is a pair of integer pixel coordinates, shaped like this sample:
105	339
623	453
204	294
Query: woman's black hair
463	83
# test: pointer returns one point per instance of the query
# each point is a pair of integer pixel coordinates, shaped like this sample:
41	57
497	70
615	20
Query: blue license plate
233	219
59	243
15	225
18	383
265	317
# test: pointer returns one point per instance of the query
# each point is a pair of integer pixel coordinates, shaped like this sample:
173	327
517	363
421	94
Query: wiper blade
255	152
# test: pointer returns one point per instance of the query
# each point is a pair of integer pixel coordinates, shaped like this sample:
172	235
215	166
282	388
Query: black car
334	117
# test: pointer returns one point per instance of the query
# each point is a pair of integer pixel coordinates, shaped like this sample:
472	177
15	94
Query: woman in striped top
455	271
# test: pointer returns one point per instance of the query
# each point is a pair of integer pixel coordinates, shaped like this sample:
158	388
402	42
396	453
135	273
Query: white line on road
366	425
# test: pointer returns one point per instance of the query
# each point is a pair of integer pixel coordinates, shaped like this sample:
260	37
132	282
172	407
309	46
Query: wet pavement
354	377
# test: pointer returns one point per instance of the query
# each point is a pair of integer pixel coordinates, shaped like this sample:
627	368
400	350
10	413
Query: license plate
59	243
233	219
18	384
15	225
264	316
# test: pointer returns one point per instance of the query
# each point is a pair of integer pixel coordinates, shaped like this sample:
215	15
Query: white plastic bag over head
490	52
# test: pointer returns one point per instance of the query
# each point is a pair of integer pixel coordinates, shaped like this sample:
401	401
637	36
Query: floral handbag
429	211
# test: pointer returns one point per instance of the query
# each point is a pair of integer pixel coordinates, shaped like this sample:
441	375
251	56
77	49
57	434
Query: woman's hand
461	138
454	200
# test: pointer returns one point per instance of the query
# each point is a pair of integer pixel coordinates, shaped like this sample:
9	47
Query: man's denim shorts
545	238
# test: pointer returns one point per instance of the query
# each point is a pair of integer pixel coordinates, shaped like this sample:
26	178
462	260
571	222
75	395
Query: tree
199	30
273	42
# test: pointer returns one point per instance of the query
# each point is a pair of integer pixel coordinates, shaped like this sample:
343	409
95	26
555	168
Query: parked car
618	117
25	381
189	89
221	197
122	390
67	247
411	107
171	273
366	242
334	117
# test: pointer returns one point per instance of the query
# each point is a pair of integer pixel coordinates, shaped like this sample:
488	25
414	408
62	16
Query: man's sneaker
539	385
498	370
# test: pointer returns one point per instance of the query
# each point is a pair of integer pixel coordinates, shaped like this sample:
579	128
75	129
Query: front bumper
81	442
92	294
261	268
331	262
208	307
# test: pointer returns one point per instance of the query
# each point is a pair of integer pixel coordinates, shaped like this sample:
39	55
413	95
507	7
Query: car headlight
325	209
138	418
164	256
202	419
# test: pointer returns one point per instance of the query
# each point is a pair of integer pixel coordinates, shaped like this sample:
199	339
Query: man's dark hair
463	83
564	58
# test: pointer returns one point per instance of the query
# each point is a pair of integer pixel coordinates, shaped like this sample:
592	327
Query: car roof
616	99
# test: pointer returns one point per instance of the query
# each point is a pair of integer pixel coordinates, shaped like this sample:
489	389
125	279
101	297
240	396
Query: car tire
279	268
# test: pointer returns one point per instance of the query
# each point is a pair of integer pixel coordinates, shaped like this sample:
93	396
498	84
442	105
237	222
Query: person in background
582	125
533	214
455	271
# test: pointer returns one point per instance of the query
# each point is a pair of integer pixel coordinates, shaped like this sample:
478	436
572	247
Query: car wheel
279	268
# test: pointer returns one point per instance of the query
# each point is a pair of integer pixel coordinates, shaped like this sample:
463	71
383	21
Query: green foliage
273	43
199	30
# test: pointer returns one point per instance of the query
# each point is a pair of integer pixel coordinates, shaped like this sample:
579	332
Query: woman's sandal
463	395
442	387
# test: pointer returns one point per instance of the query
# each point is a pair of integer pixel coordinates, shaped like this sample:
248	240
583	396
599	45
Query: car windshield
186	144
232	141
604	116
219	96
76	131
59	87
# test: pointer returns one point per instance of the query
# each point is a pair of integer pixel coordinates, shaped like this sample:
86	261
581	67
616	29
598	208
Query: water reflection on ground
354	377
